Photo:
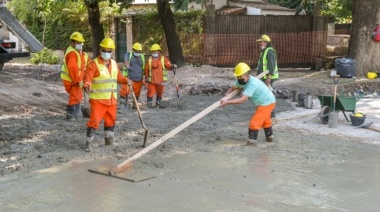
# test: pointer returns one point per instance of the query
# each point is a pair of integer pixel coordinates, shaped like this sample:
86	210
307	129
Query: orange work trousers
75	93
136	85
99	112
153	89
261	117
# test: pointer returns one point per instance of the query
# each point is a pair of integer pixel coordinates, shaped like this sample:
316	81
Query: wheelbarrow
331	105
343	103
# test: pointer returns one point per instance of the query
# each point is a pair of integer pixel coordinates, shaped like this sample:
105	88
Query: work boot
252	137
273	114
150	102
89	138
158	101
109	136
77	111
70	110
268	134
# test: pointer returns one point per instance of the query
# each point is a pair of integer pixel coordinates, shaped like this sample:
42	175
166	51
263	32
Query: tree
96	27
169	25
365	16
338	9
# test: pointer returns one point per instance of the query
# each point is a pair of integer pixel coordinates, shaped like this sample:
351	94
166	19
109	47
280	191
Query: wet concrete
233	177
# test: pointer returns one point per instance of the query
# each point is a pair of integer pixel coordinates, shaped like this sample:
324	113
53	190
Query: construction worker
156	73
267	61
134	65
260	96
73	68
100	80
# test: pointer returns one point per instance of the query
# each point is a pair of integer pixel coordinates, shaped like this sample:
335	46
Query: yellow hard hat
265	38
155	47
108	43
241	69
372	75
137	47
359	115
77	36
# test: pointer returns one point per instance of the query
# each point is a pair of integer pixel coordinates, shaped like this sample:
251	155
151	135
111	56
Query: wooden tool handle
127	164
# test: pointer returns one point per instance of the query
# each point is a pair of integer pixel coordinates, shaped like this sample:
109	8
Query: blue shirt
258	92
136	64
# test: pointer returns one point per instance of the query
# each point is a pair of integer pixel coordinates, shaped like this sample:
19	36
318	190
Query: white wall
268	12
218	4
253	11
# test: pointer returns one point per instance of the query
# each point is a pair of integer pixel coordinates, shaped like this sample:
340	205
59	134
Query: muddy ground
35	136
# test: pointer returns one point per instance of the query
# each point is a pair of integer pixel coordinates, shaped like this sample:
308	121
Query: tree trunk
172	38
365	16
96	26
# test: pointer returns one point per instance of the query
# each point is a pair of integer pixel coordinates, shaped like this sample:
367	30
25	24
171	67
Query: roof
262	5
231	10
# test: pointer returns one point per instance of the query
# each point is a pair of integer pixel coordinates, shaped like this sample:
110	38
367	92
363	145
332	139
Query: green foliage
52	22
148	29
340	10
45	56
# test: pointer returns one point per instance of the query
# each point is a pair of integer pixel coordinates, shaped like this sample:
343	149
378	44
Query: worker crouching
260	96
100	80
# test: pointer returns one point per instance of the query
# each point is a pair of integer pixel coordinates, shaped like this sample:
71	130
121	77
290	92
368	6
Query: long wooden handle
128	163
374	129
137	106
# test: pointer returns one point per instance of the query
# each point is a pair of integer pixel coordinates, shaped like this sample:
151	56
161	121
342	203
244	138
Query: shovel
139	112
368	126
85	109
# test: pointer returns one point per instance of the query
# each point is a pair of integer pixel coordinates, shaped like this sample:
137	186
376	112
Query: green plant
45	56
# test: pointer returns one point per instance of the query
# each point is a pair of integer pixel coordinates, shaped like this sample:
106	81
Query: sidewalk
308	120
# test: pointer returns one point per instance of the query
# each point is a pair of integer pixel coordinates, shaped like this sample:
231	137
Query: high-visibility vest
125	71
265	64
165	71
65	71
105	84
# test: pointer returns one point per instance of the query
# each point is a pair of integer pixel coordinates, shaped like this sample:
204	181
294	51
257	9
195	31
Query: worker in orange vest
74	64
156	73
100	80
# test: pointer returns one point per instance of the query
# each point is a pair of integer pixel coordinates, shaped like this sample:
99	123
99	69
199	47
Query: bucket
357	121
301	98
308	102
333	119
295	95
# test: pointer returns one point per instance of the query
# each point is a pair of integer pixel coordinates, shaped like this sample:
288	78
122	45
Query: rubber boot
109	136
70	110
252	137
150	102
89	138
268	134
158	101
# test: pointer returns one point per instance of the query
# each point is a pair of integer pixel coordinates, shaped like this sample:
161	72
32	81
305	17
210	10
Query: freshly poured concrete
238	178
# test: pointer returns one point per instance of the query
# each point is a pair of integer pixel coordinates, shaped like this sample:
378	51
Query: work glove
87	88
174	66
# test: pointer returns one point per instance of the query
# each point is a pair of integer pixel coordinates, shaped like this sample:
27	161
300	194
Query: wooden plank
127	164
